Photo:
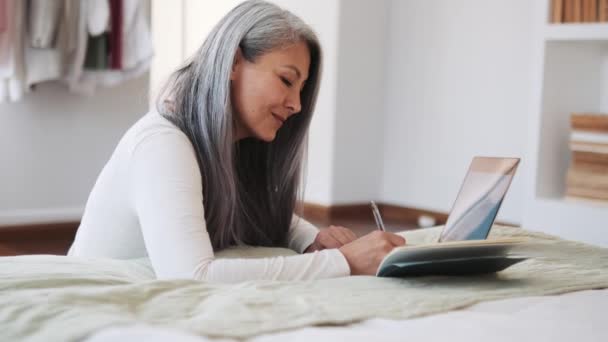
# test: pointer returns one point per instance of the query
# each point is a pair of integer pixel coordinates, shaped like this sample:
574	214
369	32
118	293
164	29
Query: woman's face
266	92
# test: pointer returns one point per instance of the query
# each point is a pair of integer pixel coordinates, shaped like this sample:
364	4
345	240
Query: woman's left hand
331	237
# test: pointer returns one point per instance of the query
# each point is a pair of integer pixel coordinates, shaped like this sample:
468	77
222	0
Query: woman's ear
238	61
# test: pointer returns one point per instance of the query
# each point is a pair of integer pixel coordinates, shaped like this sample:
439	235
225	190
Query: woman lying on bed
219	164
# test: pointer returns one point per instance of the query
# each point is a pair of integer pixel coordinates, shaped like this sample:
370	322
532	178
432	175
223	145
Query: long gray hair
251	187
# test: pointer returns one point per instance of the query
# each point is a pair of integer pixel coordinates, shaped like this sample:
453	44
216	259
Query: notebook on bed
462	247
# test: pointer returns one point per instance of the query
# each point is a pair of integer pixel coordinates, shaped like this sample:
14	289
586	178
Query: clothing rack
82	44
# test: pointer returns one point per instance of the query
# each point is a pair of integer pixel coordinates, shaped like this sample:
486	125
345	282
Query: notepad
453	258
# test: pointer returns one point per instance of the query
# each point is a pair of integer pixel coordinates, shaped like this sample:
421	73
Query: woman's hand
365	254
331	237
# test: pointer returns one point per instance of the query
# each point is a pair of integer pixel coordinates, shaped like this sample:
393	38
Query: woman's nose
293	103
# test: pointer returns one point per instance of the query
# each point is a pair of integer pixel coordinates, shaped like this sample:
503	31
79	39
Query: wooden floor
52	238
57	238
362	227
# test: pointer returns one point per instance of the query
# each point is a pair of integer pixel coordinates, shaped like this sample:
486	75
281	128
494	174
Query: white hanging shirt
12	68
148	202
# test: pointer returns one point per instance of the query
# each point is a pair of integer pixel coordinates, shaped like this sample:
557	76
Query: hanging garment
75	68
136	52
30	54
43	21
116	33
97	53
12	68
98	17
137	49
3	17
50	63
98	24
93	16
67	38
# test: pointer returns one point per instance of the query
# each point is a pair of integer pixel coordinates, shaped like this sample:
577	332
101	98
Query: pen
377	217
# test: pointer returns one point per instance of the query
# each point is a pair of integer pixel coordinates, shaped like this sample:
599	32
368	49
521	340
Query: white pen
377	217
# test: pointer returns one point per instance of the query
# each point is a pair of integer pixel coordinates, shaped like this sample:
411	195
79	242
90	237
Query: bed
559	297
575	316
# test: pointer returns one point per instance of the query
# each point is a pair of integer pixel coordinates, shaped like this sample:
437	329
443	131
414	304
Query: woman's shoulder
153	127
152	123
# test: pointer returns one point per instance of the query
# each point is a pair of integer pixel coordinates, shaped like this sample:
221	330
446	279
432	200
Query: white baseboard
40	215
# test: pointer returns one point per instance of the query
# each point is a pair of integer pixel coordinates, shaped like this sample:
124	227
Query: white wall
411	90
53	145
457	84
167	27
324	17
358	140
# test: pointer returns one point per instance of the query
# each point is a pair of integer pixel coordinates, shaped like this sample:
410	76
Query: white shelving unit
575	32
571	75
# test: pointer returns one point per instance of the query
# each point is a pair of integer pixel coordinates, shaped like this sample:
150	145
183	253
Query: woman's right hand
365	254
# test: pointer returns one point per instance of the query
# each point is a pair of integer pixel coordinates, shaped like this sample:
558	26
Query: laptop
462	247
479	199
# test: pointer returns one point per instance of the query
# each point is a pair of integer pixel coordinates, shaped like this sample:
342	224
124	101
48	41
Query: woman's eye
286	81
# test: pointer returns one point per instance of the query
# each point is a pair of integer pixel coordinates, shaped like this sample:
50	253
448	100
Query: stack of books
588	172
579	11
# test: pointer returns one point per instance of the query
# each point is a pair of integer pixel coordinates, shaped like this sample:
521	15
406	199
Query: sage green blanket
54	298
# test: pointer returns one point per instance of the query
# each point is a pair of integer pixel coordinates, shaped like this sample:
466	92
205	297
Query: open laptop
480	196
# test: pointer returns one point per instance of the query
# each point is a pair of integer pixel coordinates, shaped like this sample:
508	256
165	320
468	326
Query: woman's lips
278	118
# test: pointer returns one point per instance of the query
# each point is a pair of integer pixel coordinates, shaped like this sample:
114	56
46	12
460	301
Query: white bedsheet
575	316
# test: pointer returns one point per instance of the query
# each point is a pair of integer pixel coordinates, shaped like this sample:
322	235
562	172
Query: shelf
571	75
576	31
575	79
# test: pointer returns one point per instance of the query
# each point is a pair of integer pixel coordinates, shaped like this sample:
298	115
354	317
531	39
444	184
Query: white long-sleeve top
148	202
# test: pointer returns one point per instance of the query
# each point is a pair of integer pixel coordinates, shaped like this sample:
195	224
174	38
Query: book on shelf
588	147
587	175
568	15
557	11
587	181
589	11
578	11
579	192
589	158
602	14
593	122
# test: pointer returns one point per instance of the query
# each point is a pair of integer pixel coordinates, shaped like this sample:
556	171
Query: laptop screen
479	198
